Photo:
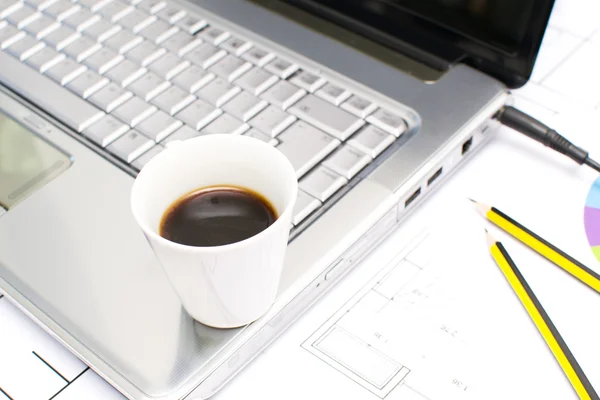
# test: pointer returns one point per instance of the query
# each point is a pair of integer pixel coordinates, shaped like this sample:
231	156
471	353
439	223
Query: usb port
412	197
467	145
434	176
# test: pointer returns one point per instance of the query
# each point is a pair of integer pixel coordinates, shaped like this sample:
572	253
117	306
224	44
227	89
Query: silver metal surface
322	183
326	116
189	360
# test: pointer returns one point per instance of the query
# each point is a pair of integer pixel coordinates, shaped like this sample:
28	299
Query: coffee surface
216	216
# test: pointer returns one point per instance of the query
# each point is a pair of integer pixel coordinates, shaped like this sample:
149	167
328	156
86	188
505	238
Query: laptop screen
500	37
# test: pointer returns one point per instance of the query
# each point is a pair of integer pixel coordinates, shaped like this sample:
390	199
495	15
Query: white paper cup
222	286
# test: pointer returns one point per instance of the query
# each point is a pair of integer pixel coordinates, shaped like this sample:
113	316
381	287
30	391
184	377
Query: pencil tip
472	200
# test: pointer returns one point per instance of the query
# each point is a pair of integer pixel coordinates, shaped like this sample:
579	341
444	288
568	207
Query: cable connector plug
539	132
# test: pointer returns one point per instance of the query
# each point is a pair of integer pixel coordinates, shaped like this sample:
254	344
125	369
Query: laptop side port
467	145
412	197
435	175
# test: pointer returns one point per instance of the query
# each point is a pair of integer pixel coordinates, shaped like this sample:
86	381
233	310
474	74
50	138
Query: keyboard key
61	37
282	68
333	93
81	19
168	66
283	94
134	111
152	6
181	43
322	183
37	4
149	86
307	81
372	140
7	7
137	20
103	60
45	59
145	53
9	35
82	48
142	160
236	46
123	41
130	146
184	133
305	146
258	56
256	81
173	100
230	68
101	30
87	84
214	35
199	114
158	31
65	71
115	10
191	24
245	106
256	134
218	91
359	106
158	126
272	121
25	48
347	161
387	121
110	97
23	16
205	55
326	116
171	14
125	73
62	104
193	78
304	206
61	9
226	123
93	5
105	131
41	27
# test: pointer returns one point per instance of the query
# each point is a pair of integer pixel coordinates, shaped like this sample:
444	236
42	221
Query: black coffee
216	216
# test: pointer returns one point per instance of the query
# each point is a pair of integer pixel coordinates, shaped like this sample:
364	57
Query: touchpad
27	162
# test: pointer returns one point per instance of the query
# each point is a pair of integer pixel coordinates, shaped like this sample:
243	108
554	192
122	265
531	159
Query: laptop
375	103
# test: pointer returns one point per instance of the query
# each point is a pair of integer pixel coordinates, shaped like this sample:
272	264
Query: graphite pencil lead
474	201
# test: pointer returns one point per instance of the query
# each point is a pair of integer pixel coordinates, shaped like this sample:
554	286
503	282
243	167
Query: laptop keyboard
132	76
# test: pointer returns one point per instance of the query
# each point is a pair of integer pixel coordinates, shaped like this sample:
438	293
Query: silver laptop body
73	259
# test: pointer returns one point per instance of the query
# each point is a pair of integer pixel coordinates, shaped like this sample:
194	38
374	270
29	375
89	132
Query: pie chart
591	218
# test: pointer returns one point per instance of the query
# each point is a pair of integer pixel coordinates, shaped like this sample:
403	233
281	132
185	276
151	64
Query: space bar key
47	94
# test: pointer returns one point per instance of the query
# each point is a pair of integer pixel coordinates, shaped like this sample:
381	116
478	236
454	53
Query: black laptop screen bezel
402	30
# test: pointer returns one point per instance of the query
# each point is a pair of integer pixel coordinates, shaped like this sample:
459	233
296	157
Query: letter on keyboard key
283	94
326	116
110	97
322	183
134	111
105	131
87	84
347	161
199	114
305	146
158	126
304	206
387	121
130	146
372	140
173	100
272	121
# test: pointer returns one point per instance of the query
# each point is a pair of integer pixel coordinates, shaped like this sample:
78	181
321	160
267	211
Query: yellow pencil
538	315
543	247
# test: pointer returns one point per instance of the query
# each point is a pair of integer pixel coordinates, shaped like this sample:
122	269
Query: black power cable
533	128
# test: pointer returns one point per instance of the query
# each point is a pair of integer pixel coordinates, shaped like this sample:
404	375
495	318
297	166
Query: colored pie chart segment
591	218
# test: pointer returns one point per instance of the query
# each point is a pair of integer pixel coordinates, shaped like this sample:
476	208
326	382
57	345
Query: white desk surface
534	188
